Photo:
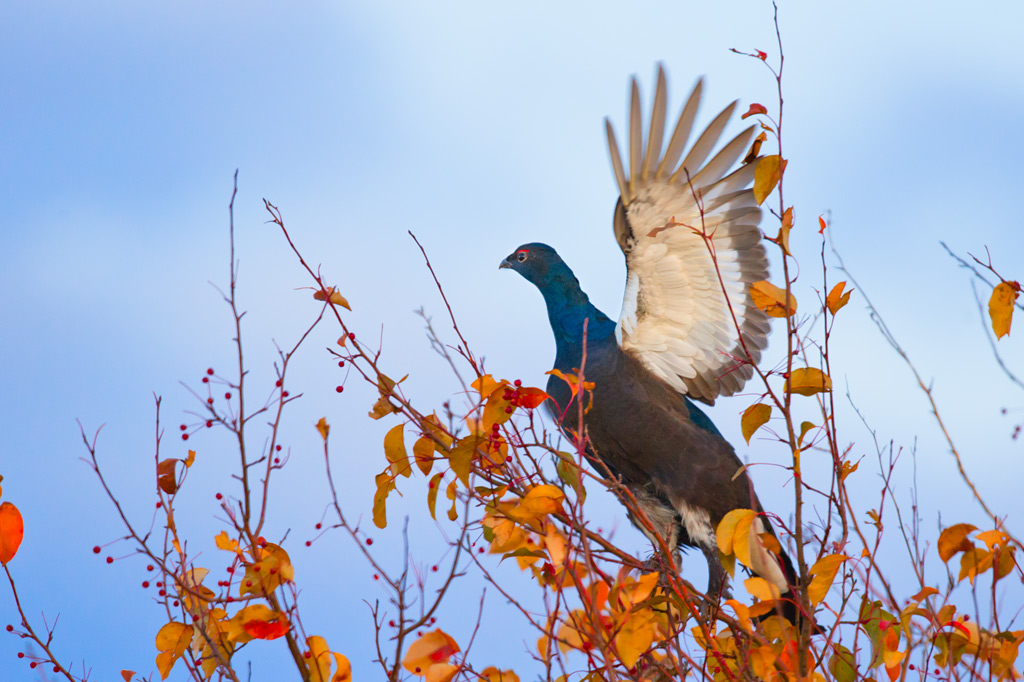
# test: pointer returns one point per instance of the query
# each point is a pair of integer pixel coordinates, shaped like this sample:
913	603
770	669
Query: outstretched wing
690	234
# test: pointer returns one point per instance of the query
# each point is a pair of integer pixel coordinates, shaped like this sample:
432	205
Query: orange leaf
323	427
190	458
1000	307
836	299
531	397
808	381
126	675
954	539
772	300
432	648
165	477
754	417
755	148
12	530
821	225
767	174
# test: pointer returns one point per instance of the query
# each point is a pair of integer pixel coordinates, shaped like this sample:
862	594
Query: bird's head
538	263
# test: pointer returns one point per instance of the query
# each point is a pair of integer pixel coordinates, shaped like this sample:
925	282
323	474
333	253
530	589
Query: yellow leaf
824	571
432	648
330	293
433	487
190	458
787	225
486	385
394	450
323	427
226	543
808	381
635	637
730	528
319	661
991	538
772	300
461	456
768	173
754	417
761	589
974	562
171	641
492	674
836	299
385	484
954	539
1000	307
423	453
539	501
270	567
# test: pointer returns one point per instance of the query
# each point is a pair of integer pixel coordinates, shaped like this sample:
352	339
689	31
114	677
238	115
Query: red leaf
755	109
262	629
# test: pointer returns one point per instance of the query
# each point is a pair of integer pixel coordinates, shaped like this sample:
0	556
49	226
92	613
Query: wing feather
689	320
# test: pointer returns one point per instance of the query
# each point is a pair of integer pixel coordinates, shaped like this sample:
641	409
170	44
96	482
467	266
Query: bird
688	331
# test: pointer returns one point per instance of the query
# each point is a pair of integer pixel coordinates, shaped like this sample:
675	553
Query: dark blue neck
568	307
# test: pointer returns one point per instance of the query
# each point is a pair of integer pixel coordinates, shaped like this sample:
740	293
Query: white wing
682	314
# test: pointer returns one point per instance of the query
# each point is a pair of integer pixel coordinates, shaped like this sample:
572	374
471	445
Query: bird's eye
521	255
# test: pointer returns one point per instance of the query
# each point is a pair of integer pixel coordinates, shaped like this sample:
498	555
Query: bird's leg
718	581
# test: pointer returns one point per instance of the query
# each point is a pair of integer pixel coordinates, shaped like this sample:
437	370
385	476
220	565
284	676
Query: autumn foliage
496	478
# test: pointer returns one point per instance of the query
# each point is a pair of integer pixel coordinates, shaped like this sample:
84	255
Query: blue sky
478	127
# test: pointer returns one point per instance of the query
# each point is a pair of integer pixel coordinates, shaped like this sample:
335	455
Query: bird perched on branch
688	331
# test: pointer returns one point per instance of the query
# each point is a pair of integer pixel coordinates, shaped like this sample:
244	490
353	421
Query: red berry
56	668
967	617
278	383
277	460
206	380
219	496
434	569
376	577
278	448
184	436
175	602
339	389
341	363
209	423
110	559
227	396
509	410
183	427
21	654
351	336
159	584
319	526
284	394
10	628
273	571
32	664
145	584
248	583
480	551
150	567
517	382
369	541
96	549
257	568
210	371
307	655
163	593
209	401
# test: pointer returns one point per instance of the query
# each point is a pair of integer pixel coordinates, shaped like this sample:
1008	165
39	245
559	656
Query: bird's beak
505	263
